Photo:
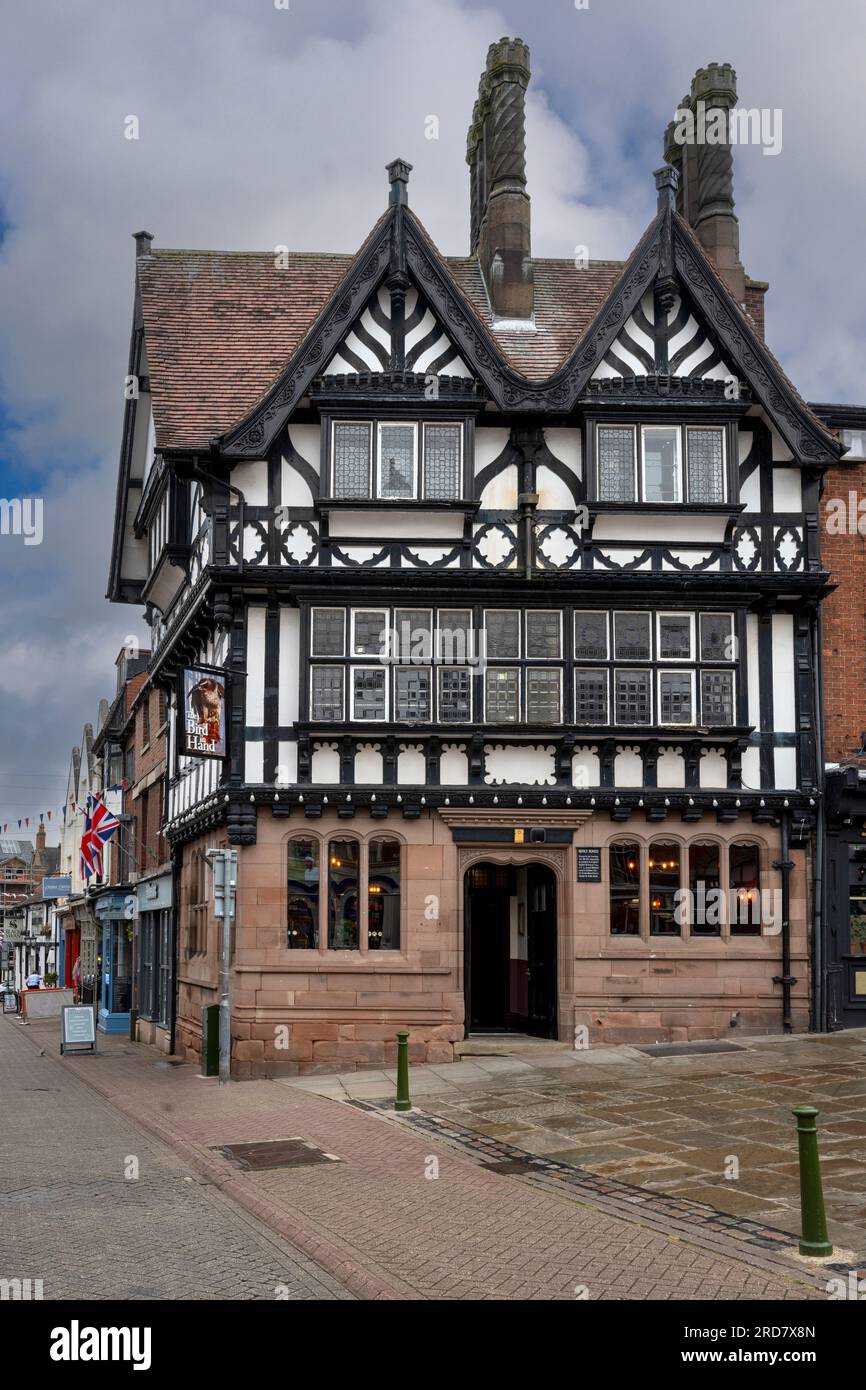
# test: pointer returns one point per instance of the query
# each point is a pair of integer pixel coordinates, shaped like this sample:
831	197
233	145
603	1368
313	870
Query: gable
654	339
370	344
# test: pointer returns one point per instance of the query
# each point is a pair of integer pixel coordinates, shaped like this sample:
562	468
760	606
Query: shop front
114	977
155	960
844	936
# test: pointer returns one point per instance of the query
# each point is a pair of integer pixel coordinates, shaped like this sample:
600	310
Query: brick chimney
705	197
499	203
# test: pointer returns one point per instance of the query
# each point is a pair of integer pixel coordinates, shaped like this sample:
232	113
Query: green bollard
403	1102
814	1240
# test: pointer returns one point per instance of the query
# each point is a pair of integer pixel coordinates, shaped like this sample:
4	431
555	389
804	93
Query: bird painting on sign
204	725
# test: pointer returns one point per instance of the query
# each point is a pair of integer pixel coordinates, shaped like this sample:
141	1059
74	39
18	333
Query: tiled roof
567	299
220	327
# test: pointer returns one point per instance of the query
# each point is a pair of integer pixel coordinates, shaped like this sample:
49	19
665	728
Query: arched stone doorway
510	948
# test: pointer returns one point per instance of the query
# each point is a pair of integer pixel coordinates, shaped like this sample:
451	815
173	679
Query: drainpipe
197	471
786	979
527	502
819	981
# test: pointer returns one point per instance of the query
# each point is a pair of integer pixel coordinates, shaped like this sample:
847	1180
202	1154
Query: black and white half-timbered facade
509	569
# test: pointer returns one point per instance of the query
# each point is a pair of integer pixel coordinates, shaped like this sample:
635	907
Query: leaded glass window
412	686
543	634
717	697
590	697
442	461
414	635
455	695
717	637
396	461
706	465
369	632
326	695
502	690
502	627
633	697
675	697
543	700
615	448
368	692
675	636
631	636
704	883
351	460
454	635
590	636
329	632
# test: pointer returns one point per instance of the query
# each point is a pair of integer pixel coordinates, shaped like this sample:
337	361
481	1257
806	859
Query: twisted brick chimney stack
705	197
499	203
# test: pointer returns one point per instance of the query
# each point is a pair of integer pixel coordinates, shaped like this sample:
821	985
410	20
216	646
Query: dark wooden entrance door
541	950
489	889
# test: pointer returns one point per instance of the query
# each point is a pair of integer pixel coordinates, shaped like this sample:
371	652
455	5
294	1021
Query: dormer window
660	464
396	460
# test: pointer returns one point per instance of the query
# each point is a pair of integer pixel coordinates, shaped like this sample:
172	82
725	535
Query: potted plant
858	934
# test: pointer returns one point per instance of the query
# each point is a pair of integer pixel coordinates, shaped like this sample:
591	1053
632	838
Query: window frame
432	424
333	665
327	608
674	613
383	424
371	462
356	668
618	425
675	723
677	431
689	428
354	654
324	840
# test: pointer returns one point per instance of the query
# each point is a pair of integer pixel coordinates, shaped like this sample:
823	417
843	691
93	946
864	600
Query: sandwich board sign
10	1001
77	1029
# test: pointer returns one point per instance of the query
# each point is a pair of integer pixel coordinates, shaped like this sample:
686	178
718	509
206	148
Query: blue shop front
115	921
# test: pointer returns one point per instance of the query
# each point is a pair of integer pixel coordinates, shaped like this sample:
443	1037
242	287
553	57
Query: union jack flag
99	826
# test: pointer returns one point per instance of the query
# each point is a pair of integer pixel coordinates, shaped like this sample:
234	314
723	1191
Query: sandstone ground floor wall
315	1009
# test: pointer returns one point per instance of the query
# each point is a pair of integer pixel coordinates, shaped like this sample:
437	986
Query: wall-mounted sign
203	713
588	865
77	1028
57	886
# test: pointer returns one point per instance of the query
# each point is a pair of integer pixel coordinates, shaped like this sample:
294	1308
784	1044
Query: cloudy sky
261	126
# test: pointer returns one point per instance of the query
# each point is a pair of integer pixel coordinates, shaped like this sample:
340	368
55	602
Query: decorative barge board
510	574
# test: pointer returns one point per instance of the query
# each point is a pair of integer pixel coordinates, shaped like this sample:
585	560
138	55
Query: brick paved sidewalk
386	1228
96	1208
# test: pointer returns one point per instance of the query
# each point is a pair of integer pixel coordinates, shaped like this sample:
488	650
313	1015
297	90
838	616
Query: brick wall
844	612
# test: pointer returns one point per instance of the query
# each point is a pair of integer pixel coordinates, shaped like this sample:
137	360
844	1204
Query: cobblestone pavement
667	1122
70	1217
404	1214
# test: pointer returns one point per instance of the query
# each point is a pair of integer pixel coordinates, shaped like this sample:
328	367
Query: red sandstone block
249	1051
268	896
440	1052
447	1032
349	1051
240	1030
314	1030
335	999
294	1052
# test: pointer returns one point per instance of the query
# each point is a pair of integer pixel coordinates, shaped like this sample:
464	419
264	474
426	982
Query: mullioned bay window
512	666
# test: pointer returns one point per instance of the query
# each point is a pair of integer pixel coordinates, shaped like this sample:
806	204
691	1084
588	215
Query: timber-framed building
511	567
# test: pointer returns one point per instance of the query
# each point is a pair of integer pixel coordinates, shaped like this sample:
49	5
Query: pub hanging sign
203	713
